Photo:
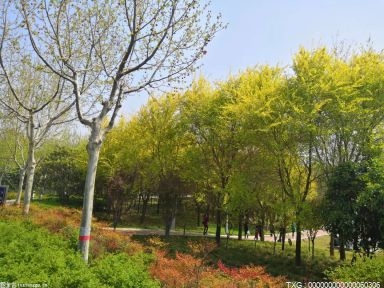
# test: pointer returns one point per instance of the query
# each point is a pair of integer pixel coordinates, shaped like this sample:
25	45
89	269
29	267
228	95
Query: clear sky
271	32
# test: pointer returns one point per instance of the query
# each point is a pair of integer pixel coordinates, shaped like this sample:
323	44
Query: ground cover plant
364	270
51	235
47	254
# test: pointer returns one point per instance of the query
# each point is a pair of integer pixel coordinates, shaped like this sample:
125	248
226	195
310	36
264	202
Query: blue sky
271	32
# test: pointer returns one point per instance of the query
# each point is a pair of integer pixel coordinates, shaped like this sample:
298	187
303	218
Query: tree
214	133
118	173
32	94
340	203
255	166
281	111
312	222
353	107
14	150
163	143
107	50
62	172
119	191
370	202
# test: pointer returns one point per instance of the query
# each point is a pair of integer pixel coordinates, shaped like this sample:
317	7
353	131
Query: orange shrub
256	276
182	271
109	241
187	271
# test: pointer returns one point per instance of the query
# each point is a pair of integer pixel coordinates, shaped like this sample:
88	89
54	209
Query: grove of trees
91	56
271	146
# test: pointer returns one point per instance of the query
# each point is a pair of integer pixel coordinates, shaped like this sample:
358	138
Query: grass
50	213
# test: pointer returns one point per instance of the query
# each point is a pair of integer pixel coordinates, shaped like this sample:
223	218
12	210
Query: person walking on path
246	229
205	223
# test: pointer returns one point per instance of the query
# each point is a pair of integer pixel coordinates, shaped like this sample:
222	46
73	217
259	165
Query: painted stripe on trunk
84	237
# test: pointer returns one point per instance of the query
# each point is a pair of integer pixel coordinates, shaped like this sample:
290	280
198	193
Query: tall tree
256	165
110	49
163	141
15	149
340	202
352	94
32	93
215	132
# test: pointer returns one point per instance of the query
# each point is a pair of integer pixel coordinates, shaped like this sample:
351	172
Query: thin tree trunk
218	226
298	244
309	244
283	231
332	246
93	147
20	186
239	235
138	205
30	174
342	249
145	206
261	232
198	211
158	205
313	247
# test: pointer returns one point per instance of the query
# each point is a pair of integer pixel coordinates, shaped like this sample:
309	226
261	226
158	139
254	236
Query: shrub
187	271
120	270
32	255
249	276
182	271
370	270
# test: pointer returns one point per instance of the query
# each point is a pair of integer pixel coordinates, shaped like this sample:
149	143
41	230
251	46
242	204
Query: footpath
160	232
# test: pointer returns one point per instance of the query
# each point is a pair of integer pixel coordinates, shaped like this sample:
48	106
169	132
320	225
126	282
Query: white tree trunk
30	174
20	186
93	148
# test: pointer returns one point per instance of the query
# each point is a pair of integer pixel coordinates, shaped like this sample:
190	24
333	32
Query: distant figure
289	241
293	229
272	230
2	196
260	231
256	234
246	230
205	223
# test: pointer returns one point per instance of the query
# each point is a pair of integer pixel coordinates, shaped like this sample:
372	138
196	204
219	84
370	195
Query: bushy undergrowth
194	268
368	270
120	270
31	255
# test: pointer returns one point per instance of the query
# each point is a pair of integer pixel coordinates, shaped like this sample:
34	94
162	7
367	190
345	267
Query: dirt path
160	232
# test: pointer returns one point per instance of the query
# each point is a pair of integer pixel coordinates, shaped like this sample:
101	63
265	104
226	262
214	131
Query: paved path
160	232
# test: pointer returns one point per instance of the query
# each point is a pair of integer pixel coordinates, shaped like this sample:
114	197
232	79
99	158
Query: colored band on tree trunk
85	234
85	237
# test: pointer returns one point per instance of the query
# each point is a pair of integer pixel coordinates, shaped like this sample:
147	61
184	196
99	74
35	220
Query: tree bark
239	235
261	232
283	232
313	247
20	186
93	148
298	244
342	249
146	198
332	245
30	172
218	226
198	211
